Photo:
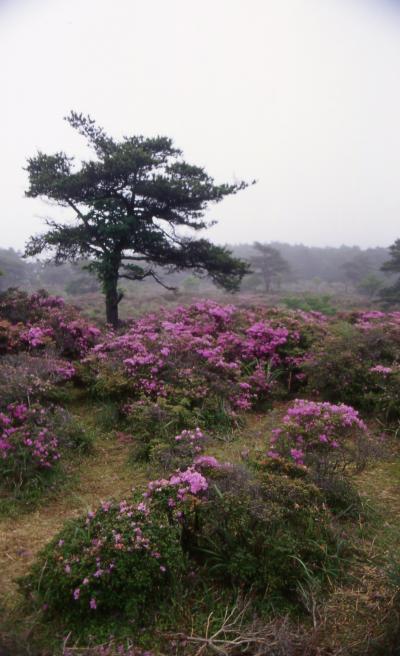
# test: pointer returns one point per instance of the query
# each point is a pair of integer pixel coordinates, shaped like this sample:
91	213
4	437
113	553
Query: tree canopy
128	206
269	262
391	294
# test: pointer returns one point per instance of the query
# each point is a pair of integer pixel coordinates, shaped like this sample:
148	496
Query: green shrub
338	492
337	369
154	425
340	495
72	434
180	451
118	560
311	303
346	367
258	529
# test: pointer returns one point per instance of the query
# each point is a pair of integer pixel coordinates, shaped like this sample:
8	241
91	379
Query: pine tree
128	207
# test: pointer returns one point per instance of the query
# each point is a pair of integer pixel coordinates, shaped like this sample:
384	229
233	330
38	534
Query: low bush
242	528
327	438
251	527
73	436
32	441
180	451
120	559
25	378
357	363
263	531
154	424
382	395
340	494
34	322
28	448
337	368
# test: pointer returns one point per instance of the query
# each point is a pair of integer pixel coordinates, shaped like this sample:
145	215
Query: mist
302	95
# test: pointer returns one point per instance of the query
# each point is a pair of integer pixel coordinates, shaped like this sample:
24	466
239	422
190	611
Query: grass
363	614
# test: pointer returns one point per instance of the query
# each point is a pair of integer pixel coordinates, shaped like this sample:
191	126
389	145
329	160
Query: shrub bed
243	528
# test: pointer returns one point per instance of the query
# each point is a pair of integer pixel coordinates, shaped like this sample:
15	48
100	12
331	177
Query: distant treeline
328	264
349	265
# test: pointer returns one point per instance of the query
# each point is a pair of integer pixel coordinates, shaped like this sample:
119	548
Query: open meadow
207	479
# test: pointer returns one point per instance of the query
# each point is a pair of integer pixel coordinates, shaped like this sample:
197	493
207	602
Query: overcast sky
303	95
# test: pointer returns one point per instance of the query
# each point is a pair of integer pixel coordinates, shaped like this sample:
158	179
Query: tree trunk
112	301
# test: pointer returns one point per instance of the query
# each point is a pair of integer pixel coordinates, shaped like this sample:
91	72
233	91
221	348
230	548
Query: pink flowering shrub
214	361
26	378
28	448
18	307
32	441
122	559
178	451
321	435
244	527
38	321
247	527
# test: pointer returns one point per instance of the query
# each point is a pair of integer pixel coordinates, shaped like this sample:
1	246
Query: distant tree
16	272
370	285
269	263
357	269
391	294
393	264
191	284
82	284
128	204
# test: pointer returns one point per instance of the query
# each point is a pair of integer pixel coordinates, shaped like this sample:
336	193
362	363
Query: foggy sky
302	95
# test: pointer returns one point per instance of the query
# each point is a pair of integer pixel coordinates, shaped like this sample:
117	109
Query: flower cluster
26	443
204	351
36	336
380	369
321	435
181	484
33	322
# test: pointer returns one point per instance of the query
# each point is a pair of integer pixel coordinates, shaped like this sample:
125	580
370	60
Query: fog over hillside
347	265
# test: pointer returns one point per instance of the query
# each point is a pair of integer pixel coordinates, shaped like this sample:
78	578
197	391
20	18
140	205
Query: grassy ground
357	616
